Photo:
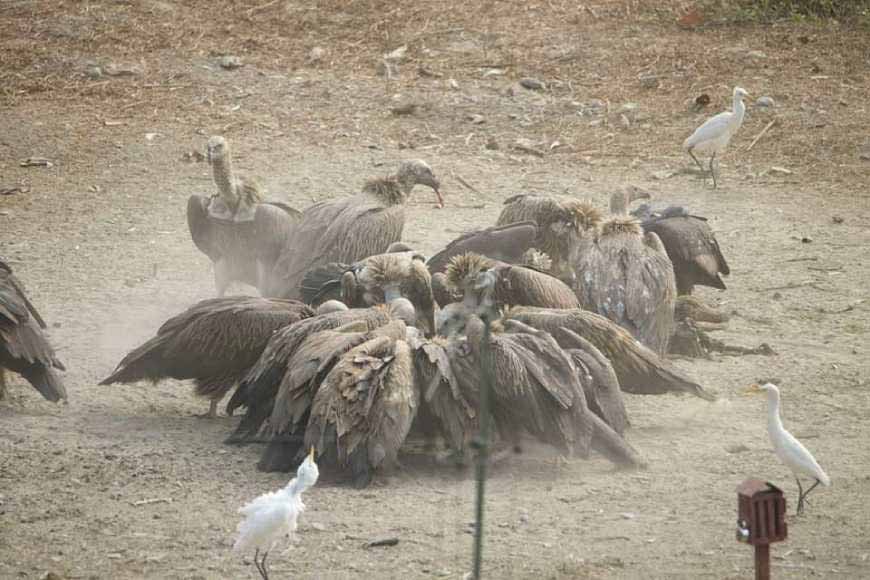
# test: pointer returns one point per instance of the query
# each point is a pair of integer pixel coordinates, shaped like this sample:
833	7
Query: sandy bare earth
100	240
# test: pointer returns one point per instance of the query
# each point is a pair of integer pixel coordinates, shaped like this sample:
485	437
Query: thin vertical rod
482	446
762	562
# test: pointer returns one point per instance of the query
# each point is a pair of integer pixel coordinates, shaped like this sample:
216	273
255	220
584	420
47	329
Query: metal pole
762	561
482	444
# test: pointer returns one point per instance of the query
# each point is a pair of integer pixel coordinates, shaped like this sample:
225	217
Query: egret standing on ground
787	448
713	136
273	515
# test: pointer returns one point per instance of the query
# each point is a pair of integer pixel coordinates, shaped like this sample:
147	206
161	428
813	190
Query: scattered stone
398	54
121	70
318	526
527	146
193	157
532	84
837	219
404	109
765	102
453	84
151	136
864	155
492	144
806	240
426	73
739	448
663	174
776	170
476	119
699	102
593	107
383	542
756	54
493	72
628	515
36	162
315	55
649	81
94	72
230	62
14	189
777	296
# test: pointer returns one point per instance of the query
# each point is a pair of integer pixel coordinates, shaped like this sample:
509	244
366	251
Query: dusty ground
101	242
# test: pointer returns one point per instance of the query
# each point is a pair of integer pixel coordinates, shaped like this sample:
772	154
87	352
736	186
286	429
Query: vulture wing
506	243
693	249
23	347
200	227
519	285
639	369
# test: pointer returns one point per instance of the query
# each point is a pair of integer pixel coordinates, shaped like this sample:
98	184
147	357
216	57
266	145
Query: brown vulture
215	343
236	229
24	348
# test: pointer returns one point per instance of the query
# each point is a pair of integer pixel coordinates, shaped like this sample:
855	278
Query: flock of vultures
358	340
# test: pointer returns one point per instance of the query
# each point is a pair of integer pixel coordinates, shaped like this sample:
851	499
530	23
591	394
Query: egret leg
803	498
800	505
263	569
257	562
701	167
713	171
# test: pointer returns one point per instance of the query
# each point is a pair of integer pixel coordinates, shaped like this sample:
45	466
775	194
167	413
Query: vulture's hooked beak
752	389
638	193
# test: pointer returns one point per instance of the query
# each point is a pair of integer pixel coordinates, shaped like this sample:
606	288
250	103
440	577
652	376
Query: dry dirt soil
121	96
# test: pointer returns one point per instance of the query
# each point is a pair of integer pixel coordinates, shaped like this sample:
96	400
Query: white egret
789	450
273	515
713	136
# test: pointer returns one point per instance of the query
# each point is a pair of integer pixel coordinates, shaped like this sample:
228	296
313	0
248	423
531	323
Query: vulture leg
696	160
2	383
221	276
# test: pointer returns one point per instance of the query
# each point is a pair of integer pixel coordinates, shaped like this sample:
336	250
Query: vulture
236	229
690	244
565	225
376	280
481	281
536	389
280	366
638	369
627	277
349	229
505	243
24	349
214	343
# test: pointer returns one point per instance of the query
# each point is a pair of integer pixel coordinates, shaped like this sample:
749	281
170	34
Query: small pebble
766	102
532	84
230	62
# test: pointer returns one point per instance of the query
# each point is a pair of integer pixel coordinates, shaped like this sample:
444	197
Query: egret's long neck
222	172
739	109
774	421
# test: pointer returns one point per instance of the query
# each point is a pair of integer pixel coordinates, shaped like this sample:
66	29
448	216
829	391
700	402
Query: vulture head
418	172
216	149
331	306
402	309
624	197
398	247
537	260
451	319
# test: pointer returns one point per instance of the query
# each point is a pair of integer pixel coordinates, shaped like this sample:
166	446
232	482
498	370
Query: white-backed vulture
376	280
504	243
24	349
349	229
276	366
236	229
603	395
482	281
364	408
639	369
563	222
215	343
536	389
628	277
690	244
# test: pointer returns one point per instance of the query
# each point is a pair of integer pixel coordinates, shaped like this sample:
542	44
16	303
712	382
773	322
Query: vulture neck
619	203
388	190
222	172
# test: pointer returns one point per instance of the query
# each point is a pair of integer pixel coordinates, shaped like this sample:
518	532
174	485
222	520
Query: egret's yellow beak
311	454
752	389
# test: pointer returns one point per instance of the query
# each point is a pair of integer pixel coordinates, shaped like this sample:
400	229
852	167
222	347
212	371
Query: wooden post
762	561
